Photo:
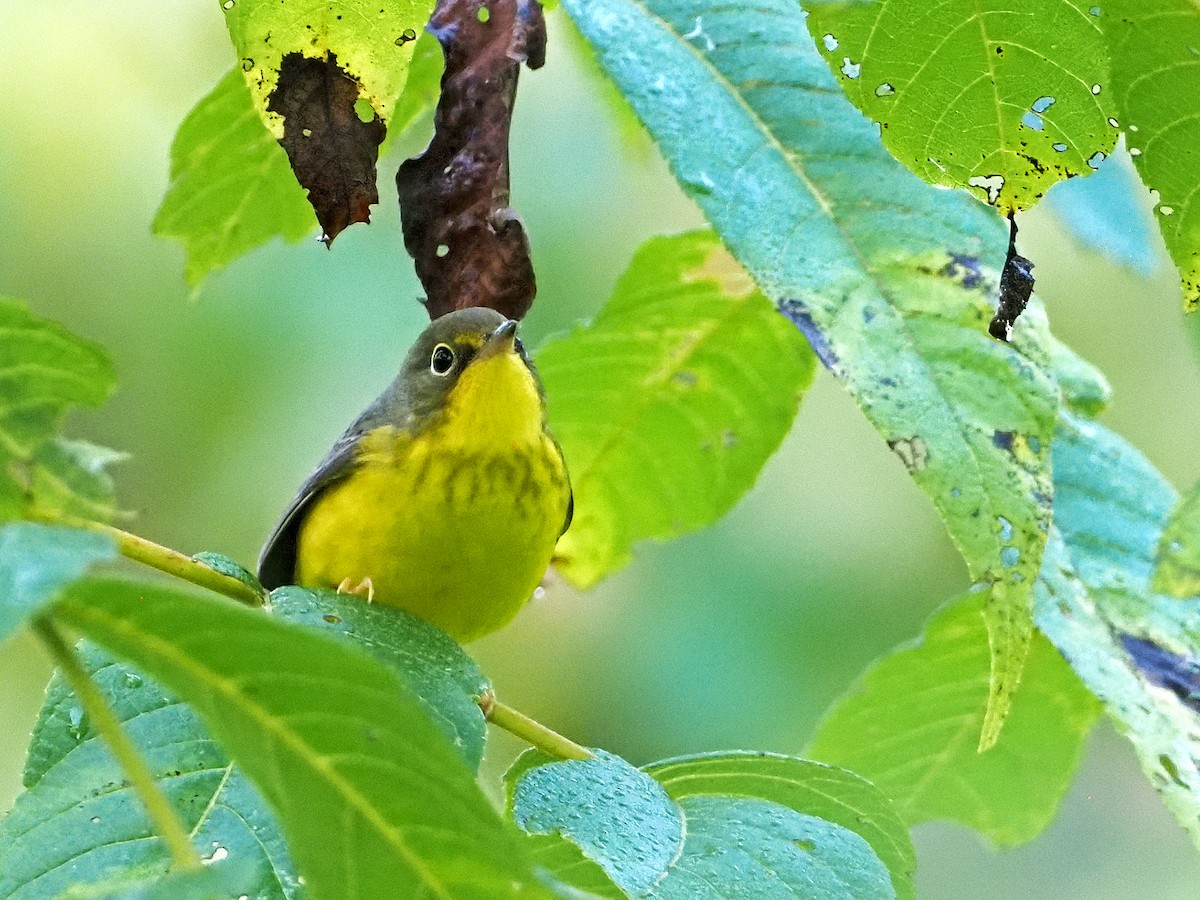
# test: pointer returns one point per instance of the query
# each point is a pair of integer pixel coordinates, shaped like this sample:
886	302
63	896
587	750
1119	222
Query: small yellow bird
446	496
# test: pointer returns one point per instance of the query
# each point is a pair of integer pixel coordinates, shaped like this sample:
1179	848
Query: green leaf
813	788
45	370
222	878
1178	560
1153	57
1137	651
70	478
669	403
1004	98
338	744
725	826
1084	388
446	681
232	189
373	43
892	282
909	726
37	562
231	186
78	823
219	562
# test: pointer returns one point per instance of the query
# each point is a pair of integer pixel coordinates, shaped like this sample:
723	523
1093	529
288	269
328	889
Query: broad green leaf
37	562
373	43
231	186
44	370
371	797
78	823
813	788
892	282
668	404
909	726
1178	561
1137	651
725	825
232	189
220	878
1004	98
1154	64
70	478
446	681
750	848
1084	388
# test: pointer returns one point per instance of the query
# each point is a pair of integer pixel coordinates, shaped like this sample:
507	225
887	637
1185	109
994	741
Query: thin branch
162	815
167	560
517	723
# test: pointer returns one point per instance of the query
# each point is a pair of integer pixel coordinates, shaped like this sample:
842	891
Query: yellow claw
364	588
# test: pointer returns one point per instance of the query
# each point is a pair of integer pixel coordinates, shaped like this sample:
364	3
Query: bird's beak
500	341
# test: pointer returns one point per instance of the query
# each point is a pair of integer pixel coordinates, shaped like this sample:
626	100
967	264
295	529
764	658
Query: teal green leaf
668	404
222	878
219	562
446	681
338	744
892	282
813	788
232	188
909	726
616	815
1084	388
70	478
725	825
44	371
78	823
1137	651
750	848
373	43
1154	75
37	562
1178	560
985	94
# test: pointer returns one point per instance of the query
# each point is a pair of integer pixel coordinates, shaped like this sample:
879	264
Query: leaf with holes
1006	99
44	371
892	281
1153	47
326	77
711	826
668	404
1139	652
338	744
909	726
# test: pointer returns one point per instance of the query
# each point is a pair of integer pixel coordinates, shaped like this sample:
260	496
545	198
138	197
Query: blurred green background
738	636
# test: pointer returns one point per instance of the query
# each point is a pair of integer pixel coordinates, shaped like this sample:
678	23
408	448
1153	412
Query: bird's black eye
442	360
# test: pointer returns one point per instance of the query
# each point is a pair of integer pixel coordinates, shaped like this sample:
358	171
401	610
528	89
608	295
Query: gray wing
277	562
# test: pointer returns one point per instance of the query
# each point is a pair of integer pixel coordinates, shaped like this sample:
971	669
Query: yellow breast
455	524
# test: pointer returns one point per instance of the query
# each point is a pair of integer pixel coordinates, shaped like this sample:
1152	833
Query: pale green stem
162	815
535	733
167	560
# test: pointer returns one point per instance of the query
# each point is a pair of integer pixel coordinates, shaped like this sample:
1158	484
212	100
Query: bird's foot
364	589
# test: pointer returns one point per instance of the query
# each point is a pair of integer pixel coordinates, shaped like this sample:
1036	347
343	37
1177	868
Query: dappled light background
737	636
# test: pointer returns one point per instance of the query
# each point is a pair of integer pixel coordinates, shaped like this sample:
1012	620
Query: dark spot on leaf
1016	286
332	619
456	193
1172	770
797	312
805	845
1003	440
1178	674
332	151
965	268
913	452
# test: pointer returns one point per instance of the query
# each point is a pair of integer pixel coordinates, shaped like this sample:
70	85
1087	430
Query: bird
446	496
